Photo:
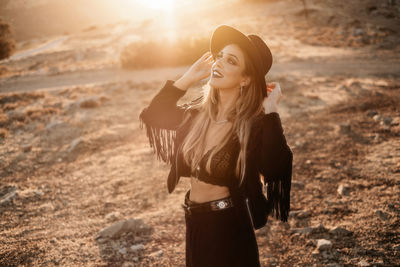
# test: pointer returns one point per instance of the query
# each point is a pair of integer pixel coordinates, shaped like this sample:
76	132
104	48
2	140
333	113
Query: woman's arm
163	112
275	164
163	116
272	158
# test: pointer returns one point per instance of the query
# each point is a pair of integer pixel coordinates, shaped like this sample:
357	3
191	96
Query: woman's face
230	64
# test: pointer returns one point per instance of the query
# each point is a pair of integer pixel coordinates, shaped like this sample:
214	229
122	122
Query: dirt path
361	68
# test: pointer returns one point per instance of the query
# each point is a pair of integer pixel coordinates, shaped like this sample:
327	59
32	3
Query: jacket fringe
161	140
278	191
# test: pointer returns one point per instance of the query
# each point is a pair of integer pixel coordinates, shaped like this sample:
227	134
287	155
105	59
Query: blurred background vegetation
7	43
144	54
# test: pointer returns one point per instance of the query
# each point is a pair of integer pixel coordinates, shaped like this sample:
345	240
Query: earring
241	89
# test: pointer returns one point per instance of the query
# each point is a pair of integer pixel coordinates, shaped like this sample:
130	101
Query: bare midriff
203	192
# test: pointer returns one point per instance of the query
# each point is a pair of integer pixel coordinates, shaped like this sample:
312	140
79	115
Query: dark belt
191	207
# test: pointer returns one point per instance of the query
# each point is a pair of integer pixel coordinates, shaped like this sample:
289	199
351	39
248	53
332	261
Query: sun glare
158	4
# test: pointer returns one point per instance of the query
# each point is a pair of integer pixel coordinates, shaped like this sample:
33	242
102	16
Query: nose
218	62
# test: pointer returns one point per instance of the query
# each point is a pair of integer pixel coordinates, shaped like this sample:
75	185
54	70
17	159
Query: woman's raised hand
201	69
274	96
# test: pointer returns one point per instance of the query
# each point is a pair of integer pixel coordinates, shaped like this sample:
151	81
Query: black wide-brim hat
257	50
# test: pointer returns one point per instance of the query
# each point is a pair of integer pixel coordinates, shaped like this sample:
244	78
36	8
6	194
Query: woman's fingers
270	87
274	90
210	58
206	55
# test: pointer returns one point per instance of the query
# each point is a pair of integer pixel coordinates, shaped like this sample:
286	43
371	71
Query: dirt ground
80	185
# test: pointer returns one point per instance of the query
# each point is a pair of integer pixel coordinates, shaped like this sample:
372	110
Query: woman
225	141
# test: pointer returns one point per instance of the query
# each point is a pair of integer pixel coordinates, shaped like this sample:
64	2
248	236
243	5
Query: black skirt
221	238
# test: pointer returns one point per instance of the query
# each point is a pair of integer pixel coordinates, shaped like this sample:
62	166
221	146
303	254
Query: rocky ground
80	185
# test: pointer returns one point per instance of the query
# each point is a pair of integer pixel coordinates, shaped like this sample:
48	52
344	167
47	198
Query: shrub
7	43
147	54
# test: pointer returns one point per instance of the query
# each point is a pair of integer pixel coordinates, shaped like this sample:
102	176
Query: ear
246	81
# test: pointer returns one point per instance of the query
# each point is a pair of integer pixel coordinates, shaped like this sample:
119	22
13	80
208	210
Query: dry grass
158	53
37	113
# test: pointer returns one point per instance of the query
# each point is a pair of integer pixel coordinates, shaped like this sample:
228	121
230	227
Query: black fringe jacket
268	154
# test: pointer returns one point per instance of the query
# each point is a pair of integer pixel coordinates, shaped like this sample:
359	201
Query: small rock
315	252
387	120
340	231
299	143
156	254
137	247
137	226
343	190
324	244
310	229
363	263
371	113
122	251
395	121
377	117
308	162
332	265
304	230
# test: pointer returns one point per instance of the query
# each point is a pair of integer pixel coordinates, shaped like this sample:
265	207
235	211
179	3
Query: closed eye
229	59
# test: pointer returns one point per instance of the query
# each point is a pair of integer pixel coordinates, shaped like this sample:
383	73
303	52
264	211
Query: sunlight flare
159	4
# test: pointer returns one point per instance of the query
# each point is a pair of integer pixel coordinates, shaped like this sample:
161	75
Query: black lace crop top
223	165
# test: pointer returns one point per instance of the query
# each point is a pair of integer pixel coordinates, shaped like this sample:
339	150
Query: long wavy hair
241	114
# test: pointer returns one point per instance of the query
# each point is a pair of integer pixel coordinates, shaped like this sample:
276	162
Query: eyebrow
231	55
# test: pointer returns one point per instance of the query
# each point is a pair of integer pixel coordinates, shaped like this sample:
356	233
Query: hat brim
224	35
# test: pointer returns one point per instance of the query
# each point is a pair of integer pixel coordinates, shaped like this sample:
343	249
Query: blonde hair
241	114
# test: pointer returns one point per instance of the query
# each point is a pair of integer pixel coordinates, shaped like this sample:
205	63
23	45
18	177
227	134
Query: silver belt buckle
221	204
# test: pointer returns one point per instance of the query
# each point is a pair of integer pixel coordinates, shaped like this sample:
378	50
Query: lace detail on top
223	165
